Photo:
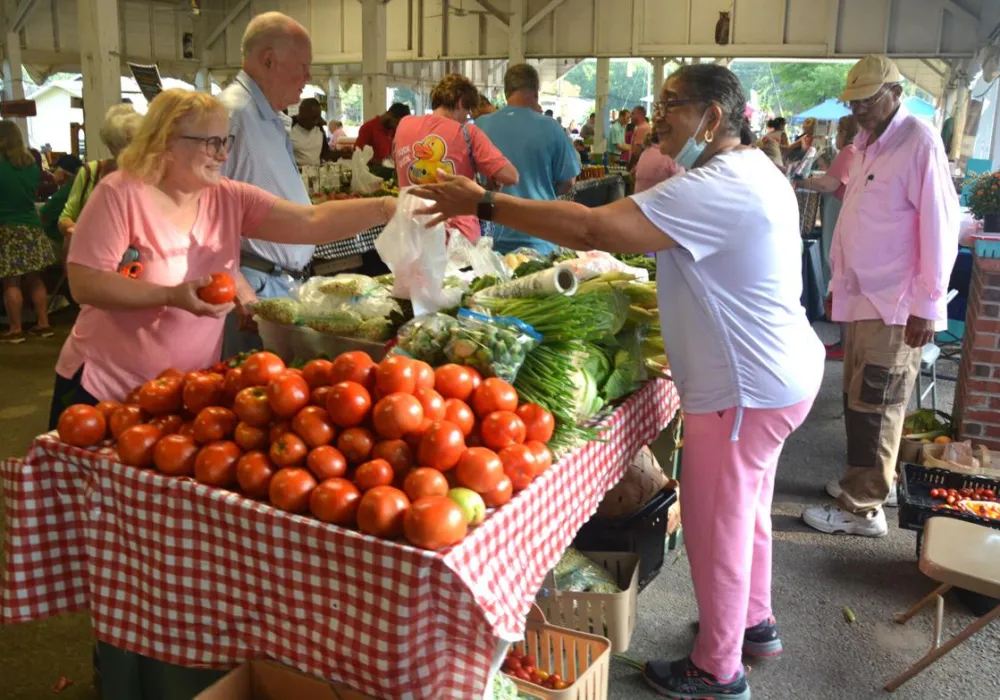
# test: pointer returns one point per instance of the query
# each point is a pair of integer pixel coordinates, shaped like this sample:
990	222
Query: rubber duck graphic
430	153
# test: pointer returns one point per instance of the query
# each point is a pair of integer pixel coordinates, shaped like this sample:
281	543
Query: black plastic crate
916	504
643	532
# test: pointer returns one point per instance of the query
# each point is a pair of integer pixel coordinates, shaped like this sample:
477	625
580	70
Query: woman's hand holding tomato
186	296
221	289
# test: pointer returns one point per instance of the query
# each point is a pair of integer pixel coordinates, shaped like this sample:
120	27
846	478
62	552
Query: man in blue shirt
534	144
277	53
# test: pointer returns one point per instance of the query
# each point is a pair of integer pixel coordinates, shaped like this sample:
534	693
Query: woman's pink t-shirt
840	169
424	145
122	348
653	168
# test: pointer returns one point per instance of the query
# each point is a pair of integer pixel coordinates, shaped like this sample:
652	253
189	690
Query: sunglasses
214	145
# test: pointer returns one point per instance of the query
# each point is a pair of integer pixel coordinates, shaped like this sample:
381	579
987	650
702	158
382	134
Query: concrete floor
815	576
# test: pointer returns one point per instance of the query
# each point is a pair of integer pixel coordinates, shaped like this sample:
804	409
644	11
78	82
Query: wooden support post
13	77
374	63
516	34
100	63
601	123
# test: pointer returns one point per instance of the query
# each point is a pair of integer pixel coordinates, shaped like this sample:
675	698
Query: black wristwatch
485	208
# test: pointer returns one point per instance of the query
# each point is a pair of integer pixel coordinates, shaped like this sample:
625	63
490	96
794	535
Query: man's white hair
268	30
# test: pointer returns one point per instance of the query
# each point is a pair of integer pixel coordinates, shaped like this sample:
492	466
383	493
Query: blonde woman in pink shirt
152	234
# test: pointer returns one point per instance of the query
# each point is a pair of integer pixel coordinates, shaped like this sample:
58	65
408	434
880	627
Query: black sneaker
761	640
682	680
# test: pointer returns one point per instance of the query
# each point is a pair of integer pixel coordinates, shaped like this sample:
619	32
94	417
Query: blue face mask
692	150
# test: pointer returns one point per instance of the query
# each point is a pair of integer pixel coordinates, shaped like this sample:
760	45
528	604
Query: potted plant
983	199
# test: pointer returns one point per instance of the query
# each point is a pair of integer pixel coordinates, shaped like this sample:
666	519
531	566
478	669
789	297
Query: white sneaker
833	488
833	520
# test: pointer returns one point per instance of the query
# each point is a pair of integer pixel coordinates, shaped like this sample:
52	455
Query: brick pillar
977	397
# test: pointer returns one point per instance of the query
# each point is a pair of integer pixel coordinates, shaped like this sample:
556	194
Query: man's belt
255	262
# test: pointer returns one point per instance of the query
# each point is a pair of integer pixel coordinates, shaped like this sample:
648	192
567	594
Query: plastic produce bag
577	573
480	257
425	338
363	180
417	257
594	263
493	345
284	310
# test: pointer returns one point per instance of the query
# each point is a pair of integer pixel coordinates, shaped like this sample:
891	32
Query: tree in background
629	81
406	96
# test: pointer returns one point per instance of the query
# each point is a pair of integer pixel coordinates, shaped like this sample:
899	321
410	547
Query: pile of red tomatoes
395	448
519	665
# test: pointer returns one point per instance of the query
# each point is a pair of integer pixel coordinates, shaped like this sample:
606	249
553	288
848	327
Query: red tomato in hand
424	374
355	366
82	425
260	368
396	415
202	391
291	488
107	408
253	473
494	395
313	425
458	412
479	469
168	424
543	455
502	429
441	446
453	382
502	494
288	394
396	452
318	373
335	501
376	472
348	404
214	423
381	510
164	395
215	463
250	438
356	444
326	462
423	482
539	423
433	406
221	290
288	450
519	464
434	523
396	374
252	407
175	455
135	445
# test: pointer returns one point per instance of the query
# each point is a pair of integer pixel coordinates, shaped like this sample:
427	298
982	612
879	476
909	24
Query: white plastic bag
480	257
417	257
363	180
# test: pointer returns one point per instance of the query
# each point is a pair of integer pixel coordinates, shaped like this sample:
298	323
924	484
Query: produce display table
198	576
593	193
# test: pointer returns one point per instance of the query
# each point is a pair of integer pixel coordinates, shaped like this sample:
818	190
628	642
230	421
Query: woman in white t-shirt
746	362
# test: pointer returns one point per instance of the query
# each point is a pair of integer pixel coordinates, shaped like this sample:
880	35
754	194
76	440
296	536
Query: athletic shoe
833	488
835	351
761	640
682	680
39	332
13	338
833	520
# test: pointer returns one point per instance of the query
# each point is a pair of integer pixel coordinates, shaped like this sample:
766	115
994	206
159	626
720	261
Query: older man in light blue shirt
277	53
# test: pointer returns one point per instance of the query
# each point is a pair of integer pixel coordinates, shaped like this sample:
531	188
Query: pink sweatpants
727	487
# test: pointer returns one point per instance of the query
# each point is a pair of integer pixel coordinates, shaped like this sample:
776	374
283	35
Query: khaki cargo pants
880	370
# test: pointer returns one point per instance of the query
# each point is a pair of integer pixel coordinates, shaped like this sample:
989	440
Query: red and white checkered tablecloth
200	576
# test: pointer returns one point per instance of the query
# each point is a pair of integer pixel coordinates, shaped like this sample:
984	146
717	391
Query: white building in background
58	105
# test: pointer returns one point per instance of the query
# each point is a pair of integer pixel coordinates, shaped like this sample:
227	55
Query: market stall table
198	576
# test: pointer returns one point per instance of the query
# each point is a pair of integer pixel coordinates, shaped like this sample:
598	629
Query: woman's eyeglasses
663	106
214	145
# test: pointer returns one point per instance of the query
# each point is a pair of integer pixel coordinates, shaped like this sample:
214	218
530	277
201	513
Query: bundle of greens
640	260
594	315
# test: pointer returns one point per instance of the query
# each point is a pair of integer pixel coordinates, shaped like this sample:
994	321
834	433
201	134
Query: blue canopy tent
830	110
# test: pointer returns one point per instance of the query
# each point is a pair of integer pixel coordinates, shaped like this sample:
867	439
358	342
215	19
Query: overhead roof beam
493	10
224	24
960	11
542	14
21	15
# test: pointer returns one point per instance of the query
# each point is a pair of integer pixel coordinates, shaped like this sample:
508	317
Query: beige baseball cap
868	75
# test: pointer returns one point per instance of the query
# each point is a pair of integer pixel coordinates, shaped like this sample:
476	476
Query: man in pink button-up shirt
893	249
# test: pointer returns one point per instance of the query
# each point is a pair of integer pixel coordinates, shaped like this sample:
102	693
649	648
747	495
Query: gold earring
709	135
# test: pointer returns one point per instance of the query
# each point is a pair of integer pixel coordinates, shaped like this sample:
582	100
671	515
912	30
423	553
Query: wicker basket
585	658
610	615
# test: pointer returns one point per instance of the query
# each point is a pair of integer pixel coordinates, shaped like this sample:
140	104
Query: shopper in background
482	109
537	146
642	130
442	140
893	249
24	249
654	166
309	142
120	124
797	149
745	360
833	185
616	139
277	52
378	132
47	184
776	131
65	173
587	130
336	133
